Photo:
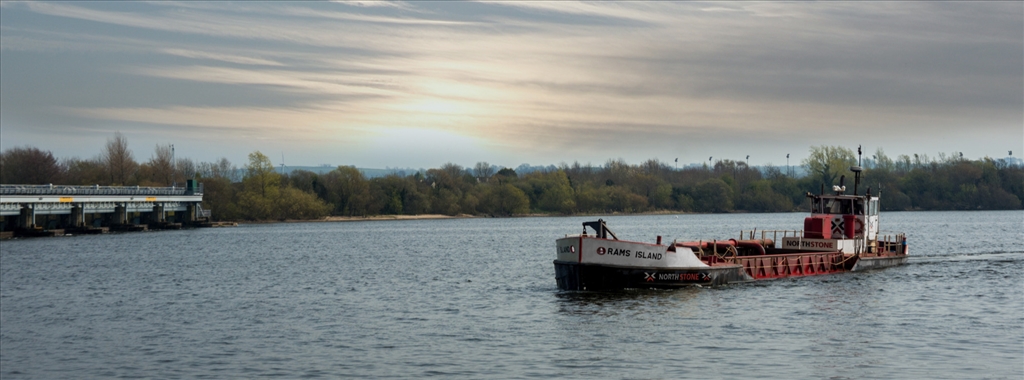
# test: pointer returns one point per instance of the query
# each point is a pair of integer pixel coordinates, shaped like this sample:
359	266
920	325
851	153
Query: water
476	298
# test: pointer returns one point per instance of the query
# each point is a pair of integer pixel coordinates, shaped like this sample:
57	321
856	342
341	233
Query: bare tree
220	169
453	170
163	168
119	160
185	168
483	170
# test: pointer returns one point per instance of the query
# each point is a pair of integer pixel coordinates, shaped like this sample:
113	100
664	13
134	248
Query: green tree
624	200
656	190
505	200
506	175
260	189
304	180
683	201
218	197
882	161
760	197
347	189
260	177
713	195
296	204
253	206
894	200
557	195
395	195
446	202
592	198
828	163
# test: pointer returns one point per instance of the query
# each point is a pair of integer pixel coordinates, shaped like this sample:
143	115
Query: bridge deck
53	199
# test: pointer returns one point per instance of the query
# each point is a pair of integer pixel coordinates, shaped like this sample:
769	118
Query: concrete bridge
36	209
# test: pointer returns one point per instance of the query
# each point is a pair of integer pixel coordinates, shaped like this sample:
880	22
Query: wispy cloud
543	76
221	57
373	3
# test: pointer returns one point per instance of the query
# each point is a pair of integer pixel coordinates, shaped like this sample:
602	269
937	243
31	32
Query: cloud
373	4
542	76
649	12
221	57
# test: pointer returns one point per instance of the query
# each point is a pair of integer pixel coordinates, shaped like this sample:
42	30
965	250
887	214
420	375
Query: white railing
96	190
201	213
773	234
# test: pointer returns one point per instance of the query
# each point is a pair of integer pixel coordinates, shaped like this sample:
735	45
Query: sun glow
437	106
422	146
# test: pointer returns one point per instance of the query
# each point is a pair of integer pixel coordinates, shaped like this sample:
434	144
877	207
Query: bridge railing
97	190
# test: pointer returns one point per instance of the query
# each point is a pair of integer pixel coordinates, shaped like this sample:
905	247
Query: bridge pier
77	219
121	214
27	218
190	214
158	216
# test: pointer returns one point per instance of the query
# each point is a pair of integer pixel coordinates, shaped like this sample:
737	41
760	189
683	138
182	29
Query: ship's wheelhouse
842	216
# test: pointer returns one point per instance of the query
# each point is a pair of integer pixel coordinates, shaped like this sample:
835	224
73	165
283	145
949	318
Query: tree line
261	193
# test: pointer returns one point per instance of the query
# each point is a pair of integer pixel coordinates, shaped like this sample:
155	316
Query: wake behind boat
841	235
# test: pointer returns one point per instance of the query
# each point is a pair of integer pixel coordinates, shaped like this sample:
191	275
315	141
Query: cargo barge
841	235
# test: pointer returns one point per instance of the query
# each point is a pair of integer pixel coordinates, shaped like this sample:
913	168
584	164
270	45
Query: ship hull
582	276
869	263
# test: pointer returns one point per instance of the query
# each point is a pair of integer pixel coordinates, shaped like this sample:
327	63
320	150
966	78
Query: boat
840	235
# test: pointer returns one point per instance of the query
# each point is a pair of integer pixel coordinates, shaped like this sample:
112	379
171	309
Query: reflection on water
477	298
612	303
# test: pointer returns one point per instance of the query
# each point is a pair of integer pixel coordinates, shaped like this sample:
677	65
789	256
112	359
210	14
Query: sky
419	84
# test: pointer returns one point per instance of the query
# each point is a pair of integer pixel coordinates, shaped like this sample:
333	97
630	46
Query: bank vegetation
262	193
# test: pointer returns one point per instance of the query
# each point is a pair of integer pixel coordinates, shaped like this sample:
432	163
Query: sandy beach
391	217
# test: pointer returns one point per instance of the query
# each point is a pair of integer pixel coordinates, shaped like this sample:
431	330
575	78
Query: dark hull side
576	276
869	263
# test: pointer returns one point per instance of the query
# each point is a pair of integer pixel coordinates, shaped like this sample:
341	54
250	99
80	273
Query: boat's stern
568	248
567	262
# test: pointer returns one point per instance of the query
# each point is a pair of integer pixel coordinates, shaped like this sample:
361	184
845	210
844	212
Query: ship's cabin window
858	207
838	206
831	206
873	207
825	206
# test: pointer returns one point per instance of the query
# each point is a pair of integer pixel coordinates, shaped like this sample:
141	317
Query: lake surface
476	298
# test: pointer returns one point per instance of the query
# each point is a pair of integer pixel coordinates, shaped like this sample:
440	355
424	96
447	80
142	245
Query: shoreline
331	219
388	217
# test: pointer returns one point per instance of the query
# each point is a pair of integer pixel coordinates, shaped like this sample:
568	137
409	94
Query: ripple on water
476	298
